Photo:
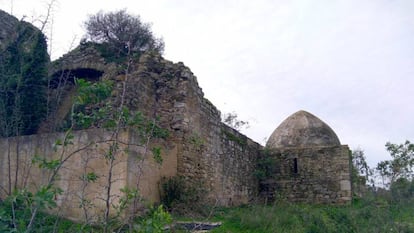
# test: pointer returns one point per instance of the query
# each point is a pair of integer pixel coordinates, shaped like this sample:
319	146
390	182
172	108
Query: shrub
23	72
123	33
181	197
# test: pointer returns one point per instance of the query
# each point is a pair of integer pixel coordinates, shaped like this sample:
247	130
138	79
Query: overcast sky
349	62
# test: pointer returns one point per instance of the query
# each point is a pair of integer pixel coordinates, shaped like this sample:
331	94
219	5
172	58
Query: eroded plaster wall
85	155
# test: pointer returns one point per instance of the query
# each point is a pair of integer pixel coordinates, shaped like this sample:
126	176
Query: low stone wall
313	175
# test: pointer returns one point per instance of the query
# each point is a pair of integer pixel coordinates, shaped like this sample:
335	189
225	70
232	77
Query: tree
122	32
232	120
22	75
401	165
361	172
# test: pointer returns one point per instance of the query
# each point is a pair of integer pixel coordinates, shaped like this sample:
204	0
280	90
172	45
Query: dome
302	129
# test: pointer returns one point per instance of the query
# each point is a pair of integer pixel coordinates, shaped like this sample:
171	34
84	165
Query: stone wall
234	168
209	155
206	153
313	174
212	156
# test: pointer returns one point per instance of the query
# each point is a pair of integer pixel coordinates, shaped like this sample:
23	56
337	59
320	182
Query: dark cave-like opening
67	77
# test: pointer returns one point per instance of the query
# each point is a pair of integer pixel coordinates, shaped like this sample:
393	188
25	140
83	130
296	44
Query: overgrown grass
370	215
43	223
364	215
155	220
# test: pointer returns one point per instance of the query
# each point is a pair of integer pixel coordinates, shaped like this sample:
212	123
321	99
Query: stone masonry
310	166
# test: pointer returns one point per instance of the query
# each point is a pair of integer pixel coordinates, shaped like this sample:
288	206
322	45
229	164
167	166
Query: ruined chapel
306	161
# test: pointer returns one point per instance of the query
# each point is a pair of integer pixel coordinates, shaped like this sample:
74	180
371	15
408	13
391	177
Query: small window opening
295	166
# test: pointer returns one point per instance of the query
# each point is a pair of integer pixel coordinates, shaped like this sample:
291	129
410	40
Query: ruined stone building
309	163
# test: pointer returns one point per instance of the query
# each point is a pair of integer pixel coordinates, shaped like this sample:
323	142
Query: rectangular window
295	166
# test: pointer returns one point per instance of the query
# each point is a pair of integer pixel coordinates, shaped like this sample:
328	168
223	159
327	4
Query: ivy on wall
23	81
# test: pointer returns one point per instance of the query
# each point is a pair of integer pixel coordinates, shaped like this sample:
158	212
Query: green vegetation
16	221
181	197
232	120
241	140
24	211
265	166
24	104
364	215
400	167
373	209
23	82
83	116
374	213
119	35
197	141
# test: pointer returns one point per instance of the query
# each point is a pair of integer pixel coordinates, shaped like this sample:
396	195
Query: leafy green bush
23	75
155	222
402	190
15	216
17	209
121	35
181	197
